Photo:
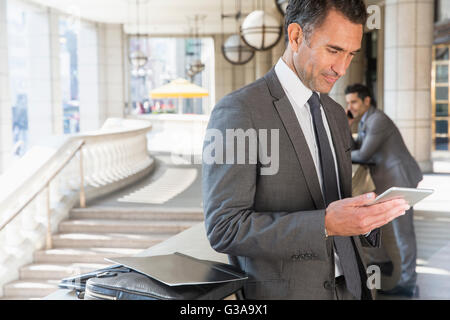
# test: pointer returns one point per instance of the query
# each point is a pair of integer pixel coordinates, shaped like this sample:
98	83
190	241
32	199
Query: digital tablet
411	195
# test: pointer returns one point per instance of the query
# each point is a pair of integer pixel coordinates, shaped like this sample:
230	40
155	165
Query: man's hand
349	217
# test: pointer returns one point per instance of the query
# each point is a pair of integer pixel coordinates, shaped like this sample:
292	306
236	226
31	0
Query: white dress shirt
298	95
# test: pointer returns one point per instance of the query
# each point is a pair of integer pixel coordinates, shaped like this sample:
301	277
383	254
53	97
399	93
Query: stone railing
39	191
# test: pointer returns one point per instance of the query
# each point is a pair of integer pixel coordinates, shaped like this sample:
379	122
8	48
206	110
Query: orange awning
179	88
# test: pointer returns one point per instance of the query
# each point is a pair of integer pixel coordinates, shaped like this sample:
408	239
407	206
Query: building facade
404	60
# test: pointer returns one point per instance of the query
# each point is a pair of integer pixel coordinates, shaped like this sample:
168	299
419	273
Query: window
79	67
88	78
440	97
442	8
168	59
68	38
29	72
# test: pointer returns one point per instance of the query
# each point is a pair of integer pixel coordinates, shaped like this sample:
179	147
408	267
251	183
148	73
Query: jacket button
327	285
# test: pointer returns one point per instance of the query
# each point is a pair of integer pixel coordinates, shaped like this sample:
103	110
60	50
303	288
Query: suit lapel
295	133
363	128
340	149
369	113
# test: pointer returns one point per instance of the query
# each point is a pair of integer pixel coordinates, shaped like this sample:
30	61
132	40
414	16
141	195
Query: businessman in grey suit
380	142
287	219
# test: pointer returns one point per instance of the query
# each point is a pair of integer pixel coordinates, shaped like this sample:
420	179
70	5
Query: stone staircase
92	234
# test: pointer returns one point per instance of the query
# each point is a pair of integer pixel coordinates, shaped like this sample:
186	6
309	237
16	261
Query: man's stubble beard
302	74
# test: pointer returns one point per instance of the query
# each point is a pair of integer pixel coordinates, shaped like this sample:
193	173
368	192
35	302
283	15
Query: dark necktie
343	245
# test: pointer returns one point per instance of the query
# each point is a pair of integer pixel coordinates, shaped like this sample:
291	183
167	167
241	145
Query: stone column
263	63
223	70
55	74
111	42
408	32
88	73
5	103
39	88
102	67
230	77
278	50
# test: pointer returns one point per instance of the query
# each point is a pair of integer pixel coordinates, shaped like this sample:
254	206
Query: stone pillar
223	69
230	77
278	51
408	41
112	73
55	74
88	73
5	103
102	88
39	89
263	63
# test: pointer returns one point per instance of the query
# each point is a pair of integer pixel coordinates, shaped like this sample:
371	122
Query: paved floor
432	217
432	223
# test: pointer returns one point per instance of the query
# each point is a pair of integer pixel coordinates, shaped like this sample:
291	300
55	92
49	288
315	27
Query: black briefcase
136	286
78	282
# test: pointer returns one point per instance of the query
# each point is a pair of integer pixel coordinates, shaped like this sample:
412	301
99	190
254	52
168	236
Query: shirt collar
364	117
291	83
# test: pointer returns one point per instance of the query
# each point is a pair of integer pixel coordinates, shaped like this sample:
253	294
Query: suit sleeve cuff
372	239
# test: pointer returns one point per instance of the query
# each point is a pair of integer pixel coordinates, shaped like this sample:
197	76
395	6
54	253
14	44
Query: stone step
107	240
30	288
124	226
20	298
430	229
138	213
83	255
431	215
435	222
58	271
435	237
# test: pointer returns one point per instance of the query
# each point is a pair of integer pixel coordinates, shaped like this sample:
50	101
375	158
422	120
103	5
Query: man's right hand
350	120
350	217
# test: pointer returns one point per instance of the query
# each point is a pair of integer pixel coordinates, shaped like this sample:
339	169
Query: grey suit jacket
272	226
379	141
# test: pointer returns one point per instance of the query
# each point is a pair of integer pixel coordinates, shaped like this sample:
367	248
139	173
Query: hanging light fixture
234	50
138	59
282	5
260	30
197	65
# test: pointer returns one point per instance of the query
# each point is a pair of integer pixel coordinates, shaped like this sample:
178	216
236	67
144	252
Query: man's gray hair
310	14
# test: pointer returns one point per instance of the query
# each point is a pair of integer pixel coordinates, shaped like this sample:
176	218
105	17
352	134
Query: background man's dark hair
362	91
310	14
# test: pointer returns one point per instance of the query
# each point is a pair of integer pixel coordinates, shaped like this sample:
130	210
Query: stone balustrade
112	157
